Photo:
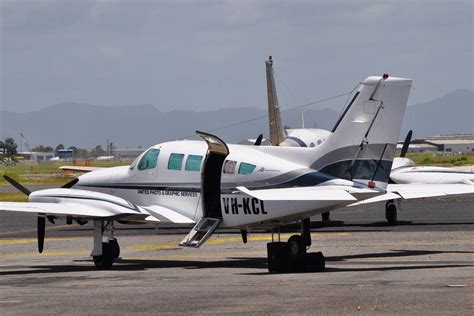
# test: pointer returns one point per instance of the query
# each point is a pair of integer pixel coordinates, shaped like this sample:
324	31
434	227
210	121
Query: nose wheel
391	212
104	253
106	260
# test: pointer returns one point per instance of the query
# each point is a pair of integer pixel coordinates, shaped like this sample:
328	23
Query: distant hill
85	125
450	114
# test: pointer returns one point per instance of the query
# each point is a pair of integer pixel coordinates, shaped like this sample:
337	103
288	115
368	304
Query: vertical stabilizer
277	133
363	142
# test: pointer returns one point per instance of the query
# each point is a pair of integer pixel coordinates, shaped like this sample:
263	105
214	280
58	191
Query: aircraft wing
92	205
71	209
79	168
166	215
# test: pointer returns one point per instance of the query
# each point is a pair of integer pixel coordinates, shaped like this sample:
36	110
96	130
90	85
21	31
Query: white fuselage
180	190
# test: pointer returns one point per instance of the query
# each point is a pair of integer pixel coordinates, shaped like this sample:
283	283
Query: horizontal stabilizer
415	191
419	191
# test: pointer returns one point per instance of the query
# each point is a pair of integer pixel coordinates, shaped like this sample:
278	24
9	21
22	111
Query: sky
205	55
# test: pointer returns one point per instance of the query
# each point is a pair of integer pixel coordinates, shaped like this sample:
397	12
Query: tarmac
424	265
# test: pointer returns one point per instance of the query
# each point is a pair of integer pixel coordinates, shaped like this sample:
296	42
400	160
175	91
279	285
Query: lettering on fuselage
243	205
167	193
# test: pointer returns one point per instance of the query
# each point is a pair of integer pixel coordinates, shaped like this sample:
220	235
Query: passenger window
246	168
193	163
175	162
229	166
149	160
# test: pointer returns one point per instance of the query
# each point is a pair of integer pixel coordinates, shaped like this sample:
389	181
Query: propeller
258	142
41	231
17	185
41	223
70	184
406	144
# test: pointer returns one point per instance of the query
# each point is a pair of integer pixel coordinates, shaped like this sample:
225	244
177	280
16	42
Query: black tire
115	248
391	213
315	262
297	245
106	260
279	260
325	217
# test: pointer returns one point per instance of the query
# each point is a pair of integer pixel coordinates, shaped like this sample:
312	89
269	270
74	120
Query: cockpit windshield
147	161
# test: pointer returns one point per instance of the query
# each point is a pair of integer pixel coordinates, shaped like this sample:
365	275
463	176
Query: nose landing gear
104	253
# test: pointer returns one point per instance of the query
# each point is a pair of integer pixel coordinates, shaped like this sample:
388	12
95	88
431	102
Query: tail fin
362	145
277	133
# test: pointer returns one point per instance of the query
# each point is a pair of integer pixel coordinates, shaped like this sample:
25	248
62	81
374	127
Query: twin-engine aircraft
210	184
403	171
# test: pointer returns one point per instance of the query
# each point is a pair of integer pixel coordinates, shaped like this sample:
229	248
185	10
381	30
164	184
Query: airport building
454	144
36	156
127	154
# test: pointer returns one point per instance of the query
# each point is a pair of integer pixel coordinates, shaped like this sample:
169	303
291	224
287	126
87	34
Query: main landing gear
104	253
391	212
292	256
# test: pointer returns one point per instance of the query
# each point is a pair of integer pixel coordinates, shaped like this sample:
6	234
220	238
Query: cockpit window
149	159
246	168
175	162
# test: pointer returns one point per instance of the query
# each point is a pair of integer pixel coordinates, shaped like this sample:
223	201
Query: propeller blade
51	219
406	144
41	231
258	142
70	184
17	185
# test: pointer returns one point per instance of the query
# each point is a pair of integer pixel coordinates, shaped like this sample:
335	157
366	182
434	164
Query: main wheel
105	260
391	213
115	248
297	253
325	217
297	245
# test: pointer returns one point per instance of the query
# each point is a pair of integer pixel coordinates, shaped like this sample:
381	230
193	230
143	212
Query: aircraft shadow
261	263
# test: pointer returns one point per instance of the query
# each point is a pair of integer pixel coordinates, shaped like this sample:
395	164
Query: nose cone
103	177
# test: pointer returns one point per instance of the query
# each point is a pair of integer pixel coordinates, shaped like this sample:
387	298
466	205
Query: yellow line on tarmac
6	242
146	247
143	247
266	237
46	253
222	240
34	230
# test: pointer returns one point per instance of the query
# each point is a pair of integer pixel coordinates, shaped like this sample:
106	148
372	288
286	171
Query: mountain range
86	125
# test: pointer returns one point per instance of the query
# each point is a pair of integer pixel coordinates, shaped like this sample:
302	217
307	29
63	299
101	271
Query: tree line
9	150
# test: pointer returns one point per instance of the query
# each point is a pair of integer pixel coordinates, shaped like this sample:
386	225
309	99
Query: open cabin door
210	191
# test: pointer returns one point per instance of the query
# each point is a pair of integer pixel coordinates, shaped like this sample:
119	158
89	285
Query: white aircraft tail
362	144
